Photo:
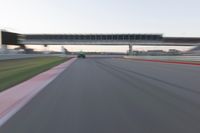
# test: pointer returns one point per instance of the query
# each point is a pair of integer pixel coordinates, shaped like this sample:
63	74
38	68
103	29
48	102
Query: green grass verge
13	72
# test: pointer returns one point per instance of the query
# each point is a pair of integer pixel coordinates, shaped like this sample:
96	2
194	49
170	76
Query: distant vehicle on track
81	55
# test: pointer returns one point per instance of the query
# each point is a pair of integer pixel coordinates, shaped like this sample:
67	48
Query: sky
168	17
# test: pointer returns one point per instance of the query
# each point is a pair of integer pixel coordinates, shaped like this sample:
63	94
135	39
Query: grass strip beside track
13	72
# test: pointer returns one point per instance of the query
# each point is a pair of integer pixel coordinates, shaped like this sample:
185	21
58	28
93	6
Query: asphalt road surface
105	95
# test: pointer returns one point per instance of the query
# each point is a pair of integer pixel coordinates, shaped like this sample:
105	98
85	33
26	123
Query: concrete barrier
166	58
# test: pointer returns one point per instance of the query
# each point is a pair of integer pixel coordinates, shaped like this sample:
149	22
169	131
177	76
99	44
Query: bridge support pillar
3	47
130	49
46	49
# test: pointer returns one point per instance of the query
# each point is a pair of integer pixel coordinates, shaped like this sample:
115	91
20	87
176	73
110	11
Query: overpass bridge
9	38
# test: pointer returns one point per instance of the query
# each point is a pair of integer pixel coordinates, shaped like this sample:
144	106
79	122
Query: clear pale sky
170	17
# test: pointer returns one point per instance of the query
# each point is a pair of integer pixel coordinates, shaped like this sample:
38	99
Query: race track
111	95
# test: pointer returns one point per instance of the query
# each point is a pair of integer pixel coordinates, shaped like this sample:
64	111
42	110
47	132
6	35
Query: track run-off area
114	95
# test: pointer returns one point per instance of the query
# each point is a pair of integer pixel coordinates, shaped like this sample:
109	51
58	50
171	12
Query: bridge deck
9	38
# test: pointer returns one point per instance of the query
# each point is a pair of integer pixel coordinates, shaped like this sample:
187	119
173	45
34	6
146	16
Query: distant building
194	51
156	52
64	50
174	52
